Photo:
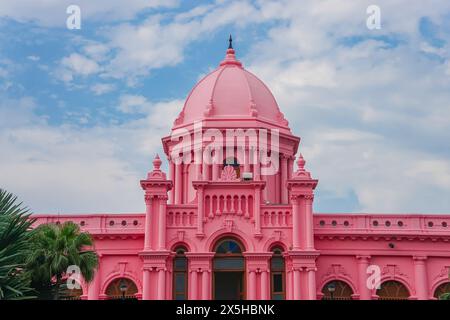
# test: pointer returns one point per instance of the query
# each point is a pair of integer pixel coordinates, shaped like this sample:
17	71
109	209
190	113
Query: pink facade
226	229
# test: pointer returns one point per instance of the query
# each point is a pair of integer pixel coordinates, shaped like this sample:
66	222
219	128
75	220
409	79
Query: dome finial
230	40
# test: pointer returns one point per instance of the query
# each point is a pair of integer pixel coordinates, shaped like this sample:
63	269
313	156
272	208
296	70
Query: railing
276	216
228	204
98	223
181	215
380	223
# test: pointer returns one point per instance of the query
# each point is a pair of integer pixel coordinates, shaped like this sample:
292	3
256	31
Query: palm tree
56	247
15	234
445	296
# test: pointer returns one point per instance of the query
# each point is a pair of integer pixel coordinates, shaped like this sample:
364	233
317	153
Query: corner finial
301	163
157	163
230	40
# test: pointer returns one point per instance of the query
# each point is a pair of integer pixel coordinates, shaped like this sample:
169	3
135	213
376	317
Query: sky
82	111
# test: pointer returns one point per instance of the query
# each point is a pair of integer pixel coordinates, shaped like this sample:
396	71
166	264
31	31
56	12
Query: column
246	160
420	277
198	164
146	284
251	294
162	222
200	213
364	290
284	172
296	284
205	285
215	172
172	178
265	288
257	166
257	209
193	284
311	283
295	224
309	222
94	287
205	170
178	183
148	223
161	283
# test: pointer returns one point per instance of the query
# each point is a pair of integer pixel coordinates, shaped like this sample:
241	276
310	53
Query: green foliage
15	223
445	296
54	248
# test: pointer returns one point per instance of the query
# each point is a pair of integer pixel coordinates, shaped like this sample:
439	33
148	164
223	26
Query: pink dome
231	92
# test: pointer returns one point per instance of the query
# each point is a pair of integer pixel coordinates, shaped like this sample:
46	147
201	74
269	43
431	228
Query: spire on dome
230	58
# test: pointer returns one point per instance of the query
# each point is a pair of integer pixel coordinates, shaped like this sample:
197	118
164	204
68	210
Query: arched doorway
121	289
442	291
337	290
277	275
180	278
229	270
393	290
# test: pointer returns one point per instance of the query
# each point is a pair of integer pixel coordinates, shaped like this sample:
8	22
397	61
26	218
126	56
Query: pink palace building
231	229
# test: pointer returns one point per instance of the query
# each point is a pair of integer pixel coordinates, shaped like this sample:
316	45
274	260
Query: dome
231	92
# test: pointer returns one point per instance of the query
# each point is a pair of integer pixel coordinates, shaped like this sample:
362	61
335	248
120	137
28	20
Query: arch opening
393	290
337	290
228	270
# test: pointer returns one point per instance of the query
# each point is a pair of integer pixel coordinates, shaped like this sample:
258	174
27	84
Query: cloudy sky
82	111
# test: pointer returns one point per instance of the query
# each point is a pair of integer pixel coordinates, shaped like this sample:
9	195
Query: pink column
251	293
311	283
193	284
289	286
205	171
296	284
205	284
146	285
295	224
94	287
257	166
148	224
162	222
257	209
420	277
198	164
246	160
265	288
216	171
172	178
178	183
309	233
200	213
284	173
161	283
363	264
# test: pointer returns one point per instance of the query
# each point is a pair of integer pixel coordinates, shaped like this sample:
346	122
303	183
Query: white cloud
71	169
53	12
102	88
76	65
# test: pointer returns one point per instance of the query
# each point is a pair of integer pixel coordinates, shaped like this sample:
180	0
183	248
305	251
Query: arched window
180	278
228	267
277	275
392	290
442	291
121	289
337	290
235	164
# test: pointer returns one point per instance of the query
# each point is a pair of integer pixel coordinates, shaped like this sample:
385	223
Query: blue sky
82	111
